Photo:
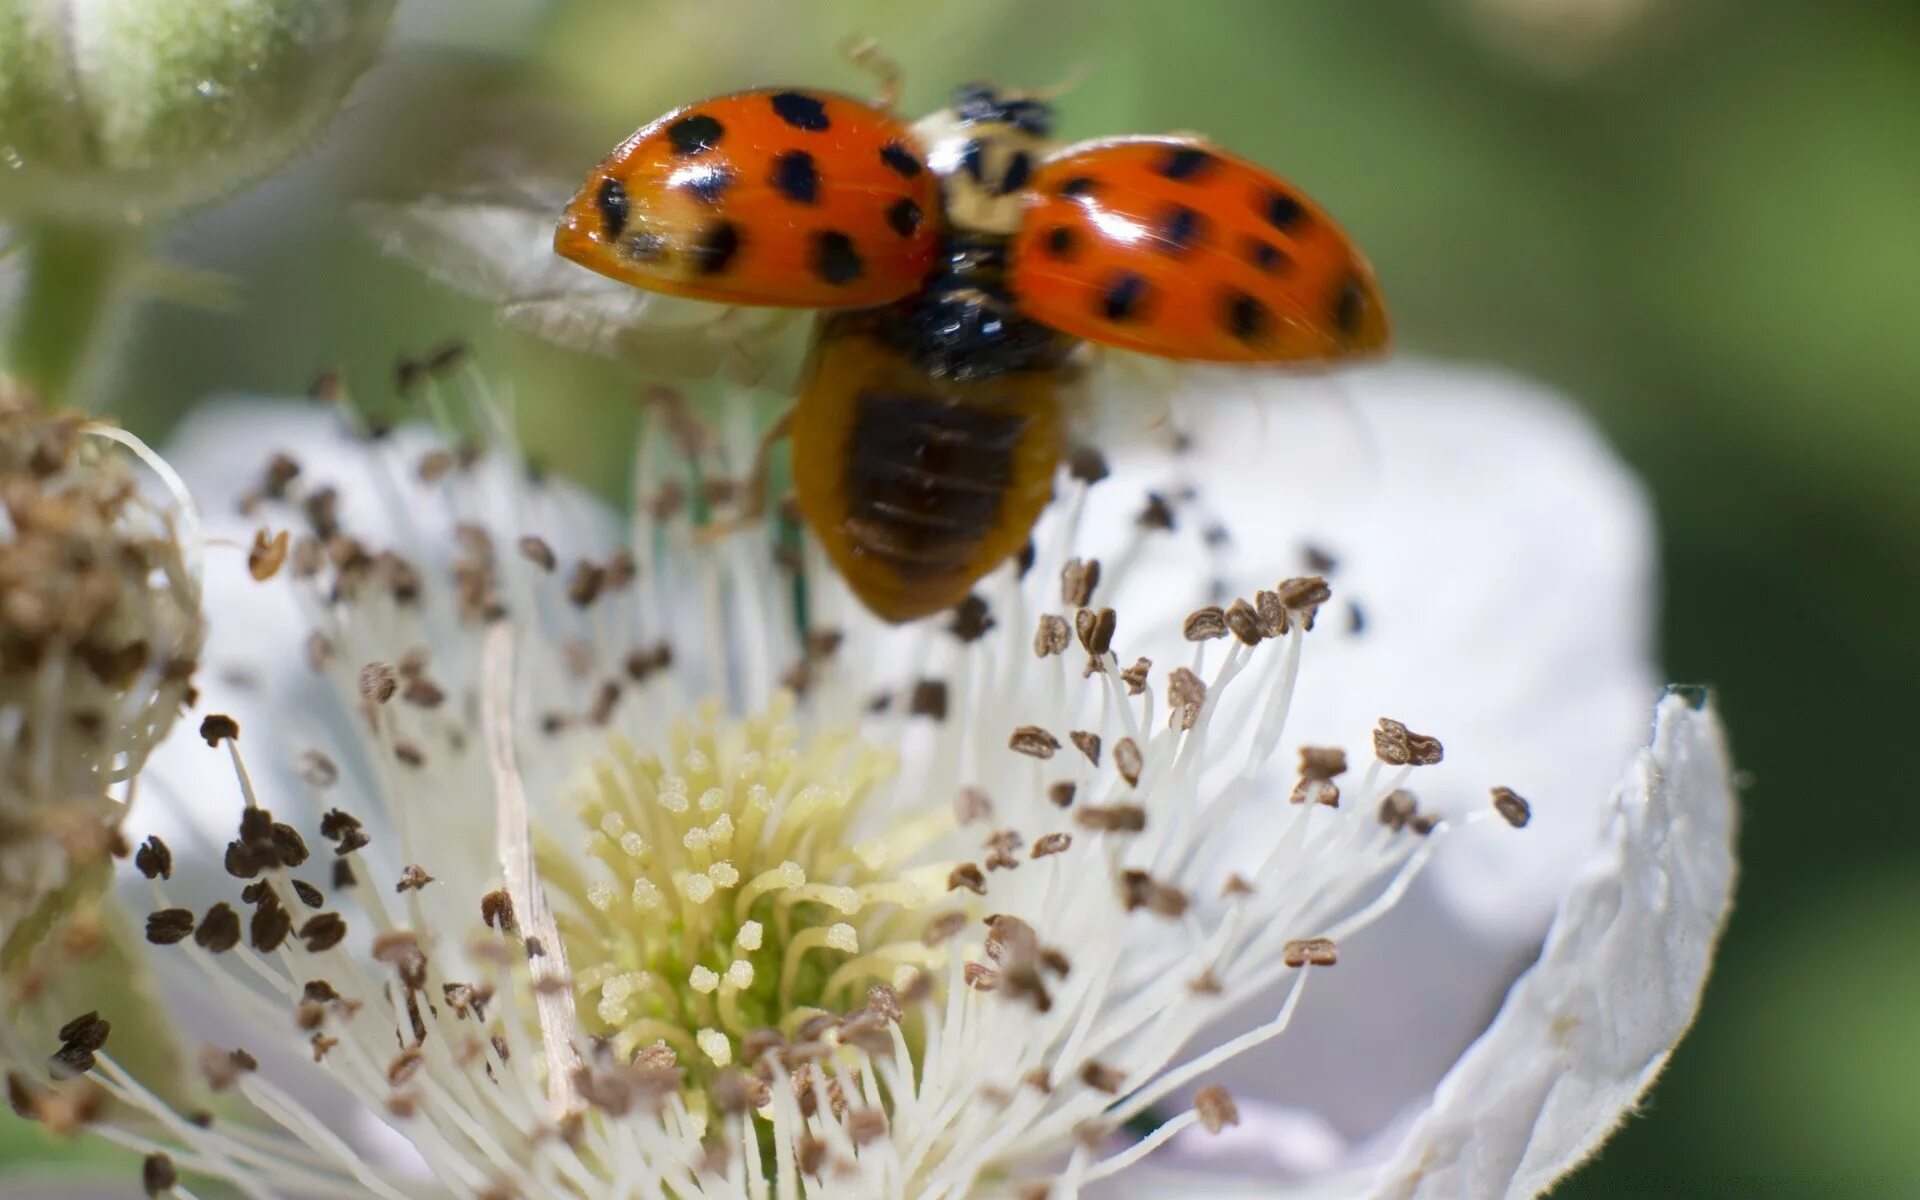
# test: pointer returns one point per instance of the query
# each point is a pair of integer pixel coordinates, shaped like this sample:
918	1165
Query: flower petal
1582	1034
1587	1029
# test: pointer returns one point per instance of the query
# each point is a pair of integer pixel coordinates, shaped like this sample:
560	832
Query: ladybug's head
984	149
984	104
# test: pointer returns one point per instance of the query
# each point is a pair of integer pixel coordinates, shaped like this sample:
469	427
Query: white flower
991	883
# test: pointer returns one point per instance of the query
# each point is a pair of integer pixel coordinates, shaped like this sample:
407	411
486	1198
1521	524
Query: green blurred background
1700	217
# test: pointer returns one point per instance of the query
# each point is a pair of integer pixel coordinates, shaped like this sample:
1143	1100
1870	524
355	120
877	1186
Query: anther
1078	579
1216	1108
1398	746
1204	624
1304	952
1512	807
1112	818
1127	760
1051	636
1087	743
1033	741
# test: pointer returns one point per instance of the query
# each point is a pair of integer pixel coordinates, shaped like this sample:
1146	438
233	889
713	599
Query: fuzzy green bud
136	110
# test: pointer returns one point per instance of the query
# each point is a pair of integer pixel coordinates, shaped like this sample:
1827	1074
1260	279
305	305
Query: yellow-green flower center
738	880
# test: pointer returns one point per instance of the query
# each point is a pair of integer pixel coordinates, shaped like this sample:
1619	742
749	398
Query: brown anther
422	692
496	910
1216	1108
1051	843
1087	464
1095	629
1206	983
1398	746
1102	1078
1303	952
408	753
929	699
405	1066
972	619
1060	794
1078	579
317	770
1087	743
1512	807
268	553
157	1175
1245	623
969	876
1135	676
866	1125
1051	636
378	682
222	1068
435	464
981	977
323	932
1033	741
219	930
972	804
169	926
270	925
1302	597
218	727
1111	818
154	859
1204	624
606	698
322	1045
412	879
1274	620
1397	809
1186	698
1236	885
1157	514
1127	760
810	1154
1140	890
88	1031
583	586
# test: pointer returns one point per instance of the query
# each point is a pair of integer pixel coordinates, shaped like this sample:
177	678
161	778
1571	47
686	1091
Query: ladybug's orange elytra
971	261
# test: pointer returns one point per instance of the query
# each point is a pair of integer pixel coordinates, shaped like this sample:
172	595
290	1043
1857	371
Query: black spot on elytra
801	111
1267	256
709	185
611	199
795	177
1062	242
1180	229
835	260
1185	163
1283	211
970	160
1018	172
900	159
1349	306
645	247
714	249
1245	317
1077	186
905	217
1124	295
691	135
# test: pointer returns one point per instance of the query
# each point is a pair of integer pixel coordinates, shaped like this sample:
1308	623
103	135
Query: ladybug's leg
753	504
865	55
756	500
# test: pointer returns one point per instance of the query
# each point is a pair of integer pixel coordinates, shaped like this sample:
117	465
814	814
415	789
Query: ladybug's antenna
1075	76
865	54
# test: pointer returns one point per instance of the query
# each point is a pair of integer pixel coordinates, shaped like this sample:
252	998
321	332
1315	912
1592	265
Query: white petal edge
1587	1029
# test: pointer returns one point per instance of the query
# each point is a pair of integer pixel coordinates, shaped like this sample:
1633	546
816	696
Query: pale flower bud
133	110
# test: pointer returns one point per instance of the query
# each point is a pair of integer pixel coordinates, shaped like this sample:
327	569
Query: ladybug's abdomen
918	484
925	478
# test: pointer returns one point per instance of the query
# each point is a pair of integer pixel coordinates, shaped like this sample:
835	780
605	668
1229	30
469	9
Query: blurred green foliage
1706	230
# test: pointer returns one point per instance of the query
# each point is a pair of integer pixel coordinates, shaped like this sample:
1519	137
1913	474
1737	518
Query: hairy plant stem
75	302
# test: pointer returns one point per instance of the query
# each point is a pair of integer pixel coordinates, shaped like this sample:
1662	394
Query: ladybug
964	266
